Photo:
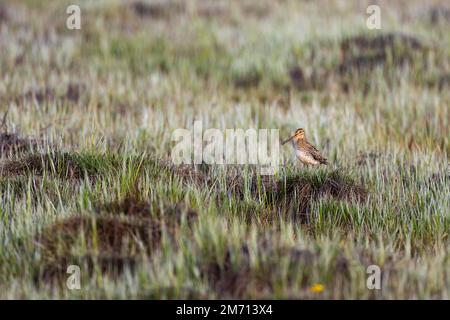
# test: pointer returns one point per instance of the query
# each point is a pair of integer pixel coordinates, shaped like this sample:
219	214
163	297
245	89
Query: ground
86	176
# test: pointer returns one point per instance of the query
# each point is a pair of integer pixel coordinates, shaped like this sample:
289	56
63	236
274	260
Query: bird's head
298	135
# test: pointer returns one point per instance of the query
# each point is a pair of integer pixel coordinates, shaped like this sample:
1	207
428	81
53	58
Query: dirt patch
131	206
298	191
103	233
248	80
439	15
113	240
134	206
442	82
364	52
298	78
212	9
259	9
334	185
13	143
63	165
110	243
359	56
158	9
32	164
196	174
38	95
74	91
379	43
368	62
5	13
316	79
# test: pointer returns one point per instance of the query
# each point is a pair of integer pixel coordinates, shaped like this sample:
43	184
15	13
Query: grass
86	176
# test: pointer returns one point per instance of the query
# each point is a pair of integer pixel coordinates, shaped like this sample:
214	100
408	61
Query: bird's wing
316	153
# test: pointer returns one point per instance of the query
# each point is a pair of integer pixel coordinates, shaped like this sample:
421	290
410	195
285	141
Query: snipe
305	151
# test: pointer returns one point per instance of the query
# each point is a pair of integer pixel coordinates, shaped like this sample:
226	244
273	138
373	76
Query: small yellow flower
317	288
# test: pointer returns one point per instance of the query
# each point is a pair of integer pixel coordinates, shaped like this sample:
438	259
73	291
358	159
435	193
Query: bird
305	151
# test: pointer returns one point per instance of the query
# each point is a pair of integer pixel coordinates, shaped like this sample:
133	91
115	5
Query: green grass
98	188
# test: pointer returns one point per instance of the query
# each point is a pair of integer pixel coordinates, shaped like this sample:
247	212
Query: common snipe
305	151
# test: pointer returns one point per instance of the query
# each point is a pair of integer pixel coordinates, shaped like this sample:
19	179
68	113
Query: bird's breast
305	157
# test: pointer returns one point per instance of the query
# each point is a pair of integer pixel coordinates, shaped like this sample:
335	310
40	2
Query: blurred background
86	120
134	63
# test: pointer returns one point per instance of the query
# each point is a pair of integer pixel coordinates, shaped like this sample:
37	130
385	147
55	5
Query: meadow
86	177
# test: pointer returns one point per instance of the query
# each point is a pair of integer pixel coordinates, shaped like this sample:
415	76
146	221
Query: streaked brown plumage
305	151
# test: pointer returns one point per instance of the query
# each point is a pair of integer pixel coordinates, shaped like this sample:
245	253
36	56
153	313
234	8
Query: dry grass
85	143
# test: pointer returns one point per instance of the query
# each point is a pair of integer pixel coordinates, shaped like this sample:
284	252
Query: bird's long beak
287	140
